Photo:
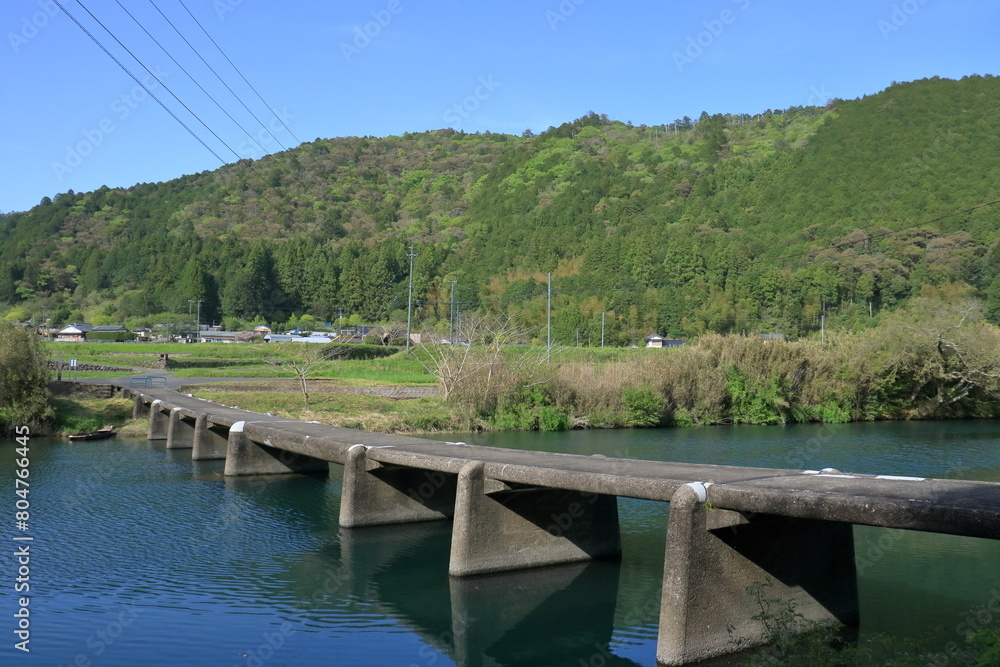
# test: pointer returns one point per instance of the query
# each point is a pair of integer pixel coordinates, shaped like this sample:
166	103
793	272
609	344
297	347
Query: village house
79	332
656	340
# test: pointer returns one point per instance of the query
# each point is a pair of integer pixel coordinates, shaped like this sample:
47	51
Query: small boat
106	432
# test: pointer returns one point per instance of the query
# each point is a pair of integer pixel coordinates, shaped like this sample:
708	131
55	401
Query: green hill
727	223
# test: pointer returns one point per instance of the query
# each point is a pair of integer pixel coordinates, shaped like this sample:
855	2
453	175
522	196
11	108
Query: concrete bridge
729	527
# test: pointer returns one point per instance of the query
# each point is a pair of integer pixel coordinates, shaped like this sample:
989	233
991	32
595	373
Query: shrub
642	406
683	418
754	402
553	419
24	377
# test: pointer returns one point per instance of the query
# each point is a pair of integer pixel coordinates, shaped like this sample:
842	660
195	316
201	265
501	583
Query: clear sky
72	119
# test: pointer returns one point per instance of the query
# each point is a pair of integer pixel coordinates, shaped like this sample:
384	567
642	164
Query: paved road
174	382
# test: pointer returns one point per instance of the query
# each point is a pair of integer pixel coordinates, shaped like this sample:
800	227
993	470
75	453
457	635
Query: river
140	557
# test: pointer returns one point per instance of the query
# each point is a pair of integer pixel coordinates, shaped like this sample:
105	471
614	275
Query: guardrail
148	381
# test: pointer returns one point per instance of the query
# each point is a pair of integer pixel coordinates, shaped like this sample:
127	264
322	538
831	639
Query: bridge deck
936	505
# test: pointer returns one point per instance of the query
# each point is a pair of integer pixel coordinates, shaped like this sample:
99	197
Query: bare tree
481	356
386	333
303	358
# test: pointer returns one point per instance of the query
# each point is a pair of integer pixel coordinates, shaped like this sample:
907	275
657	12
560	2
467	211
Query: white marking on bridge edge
810	472
829	475
237	427
175	408
700	489
454	443
901	478
357	445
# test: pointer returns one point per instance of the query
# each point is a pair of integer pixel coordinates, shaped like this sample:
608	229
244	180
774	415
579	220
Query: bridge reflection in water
527	617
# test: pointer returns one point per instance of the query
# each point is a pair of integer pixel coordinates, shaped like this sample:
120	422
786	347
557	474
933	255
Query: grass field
380	367
240	360
330	406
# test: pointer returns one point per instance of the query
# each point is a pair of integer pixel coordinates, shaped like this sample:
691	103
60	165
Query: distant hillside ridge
780	221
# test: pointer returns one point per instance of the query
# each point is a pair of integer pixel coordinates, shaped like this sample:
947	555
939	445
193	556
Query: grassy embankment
329	402
935	360
82	414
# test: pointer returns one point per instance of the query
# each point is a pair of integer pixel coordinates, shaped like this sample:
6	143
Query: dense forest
785	220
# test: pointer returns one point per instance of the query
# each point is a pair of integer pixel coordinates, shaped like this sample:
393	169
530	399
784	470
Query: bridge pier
377	494
246	457
209	443
180	432
713	557
499	527
158	422
138	406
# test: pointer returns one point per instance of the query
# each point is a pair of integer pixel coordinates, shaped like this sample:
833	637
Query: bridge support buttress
138	406
210	441
180	431
715	556
158	422
376	494
499	527
246	457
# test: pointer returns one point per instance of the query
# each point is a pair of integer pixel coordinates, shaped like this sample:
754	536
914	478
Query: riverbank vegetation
24	394
82	414
936	358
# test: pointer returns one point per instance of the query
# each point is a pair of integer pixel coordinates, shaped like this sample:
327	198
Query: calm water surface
142	558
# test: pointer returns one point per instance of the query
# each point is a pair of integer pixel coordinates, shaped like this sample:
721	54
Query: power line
200	87
160	102
212	69
136	79
167	88
276	115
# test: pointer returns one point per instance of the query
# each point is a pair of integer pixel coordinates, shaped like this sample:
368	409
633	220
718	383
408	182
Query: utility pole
409	304
548	327
602	328
822	328
191	301
197	327
451	314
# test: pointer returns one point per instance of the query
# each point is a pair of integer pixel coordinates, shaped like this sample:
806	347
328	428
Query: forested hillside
726	223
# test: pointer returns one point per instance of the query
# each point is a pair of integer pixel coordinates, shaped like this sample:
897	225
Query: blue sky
72	119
